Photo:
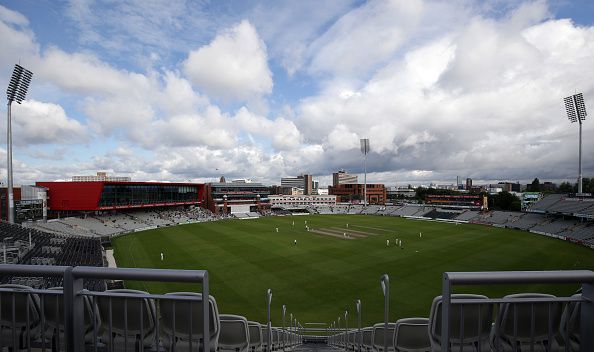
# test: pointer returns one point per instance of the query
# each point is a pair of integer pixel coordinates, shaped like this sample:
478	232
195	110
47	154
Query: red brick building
376	193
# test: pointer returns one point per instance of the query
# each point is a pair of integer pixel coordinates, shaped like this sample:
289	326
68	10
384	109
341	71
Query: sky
193	90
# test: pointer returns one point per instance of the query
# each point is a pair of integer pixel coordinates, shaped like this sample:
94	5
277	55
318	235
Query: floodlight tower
365	151
576	112
16	91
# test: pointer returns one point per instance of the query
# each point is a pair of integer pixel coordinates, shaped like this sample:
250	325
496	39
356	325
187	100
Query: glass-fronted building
107	195
236	197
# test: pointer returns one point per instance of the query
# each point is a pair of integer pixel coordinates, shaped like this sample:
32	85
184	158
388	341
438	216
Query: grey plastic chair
177	331
526	326
255	330
379	334
570	325
477	320
122	326
265	346
412	335
19	330
367	343
53	314
234	335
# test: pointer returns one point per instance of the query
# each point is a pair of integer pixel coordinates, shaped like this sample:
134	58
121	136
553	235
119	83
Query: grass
322	276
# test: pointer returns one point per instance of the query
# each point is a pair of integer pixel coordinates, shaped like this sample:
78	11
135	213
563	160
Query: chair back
412	335
255	330
234	334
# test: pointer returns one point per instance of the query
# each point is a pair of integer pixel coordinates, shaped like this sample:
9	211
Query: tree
566	187
506	201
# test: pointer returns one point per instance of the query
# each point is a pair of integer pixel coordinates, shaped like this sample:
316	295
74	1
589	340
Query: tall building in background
303	182
342	178
468	184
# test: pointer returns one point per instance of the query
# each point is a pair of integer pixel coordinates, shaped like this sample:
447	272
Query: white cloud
118	114
12	17
85	73
288	27
36	122
283	133
17	41
365	36
233	66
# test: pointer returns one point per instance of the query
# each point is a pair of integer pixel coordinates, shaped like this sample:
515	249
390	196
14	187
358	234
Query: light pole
269	300
385	283
359	337
365	151
16	91
284	332
346	330
576	112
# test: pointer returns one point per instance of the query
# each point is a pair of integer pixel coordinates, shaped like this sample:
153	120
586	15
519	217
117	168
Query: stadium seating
234	336
477	320
123	317
554	226
255	330
544	204
379	334
412	335
570	325
467	215
570	206
367	338
527	221
526	326
52	307
181	322
19	330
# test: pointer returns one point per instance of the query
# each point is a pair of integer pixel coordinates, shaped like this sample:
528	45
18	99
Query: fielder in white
161	256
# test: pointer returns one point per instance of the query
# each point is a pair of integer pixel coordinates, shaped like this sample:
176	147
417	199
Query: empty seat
52	306
265	334
412	335
123	328
352	340
570	325
476	321
527	326
234	334
379	334
275	339
181	323
255	330
20	328
367	338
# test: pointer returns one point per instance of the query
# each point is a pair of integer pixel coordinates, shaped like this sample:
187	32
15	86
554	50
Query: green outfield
325	273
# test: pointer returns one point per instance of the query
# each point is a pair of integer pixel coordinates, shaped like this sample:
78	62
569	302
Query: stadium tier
70	319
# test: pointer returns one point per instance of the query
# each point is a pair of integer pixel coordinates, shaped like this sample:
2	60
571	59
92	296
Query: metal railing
586	300
70	324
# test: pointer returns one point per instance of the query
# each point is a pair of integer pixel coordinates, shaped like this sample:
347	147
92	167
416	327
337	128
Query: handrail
33	270
73	292
584	277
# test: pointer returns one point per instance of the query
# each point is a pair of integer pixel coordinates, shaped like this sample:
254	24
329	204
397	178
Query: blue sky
192	90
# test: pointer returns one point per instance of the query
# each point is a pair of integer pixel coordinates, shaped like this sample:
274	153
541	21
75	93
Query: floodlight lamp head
575	107
580	106
18	85
364	145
